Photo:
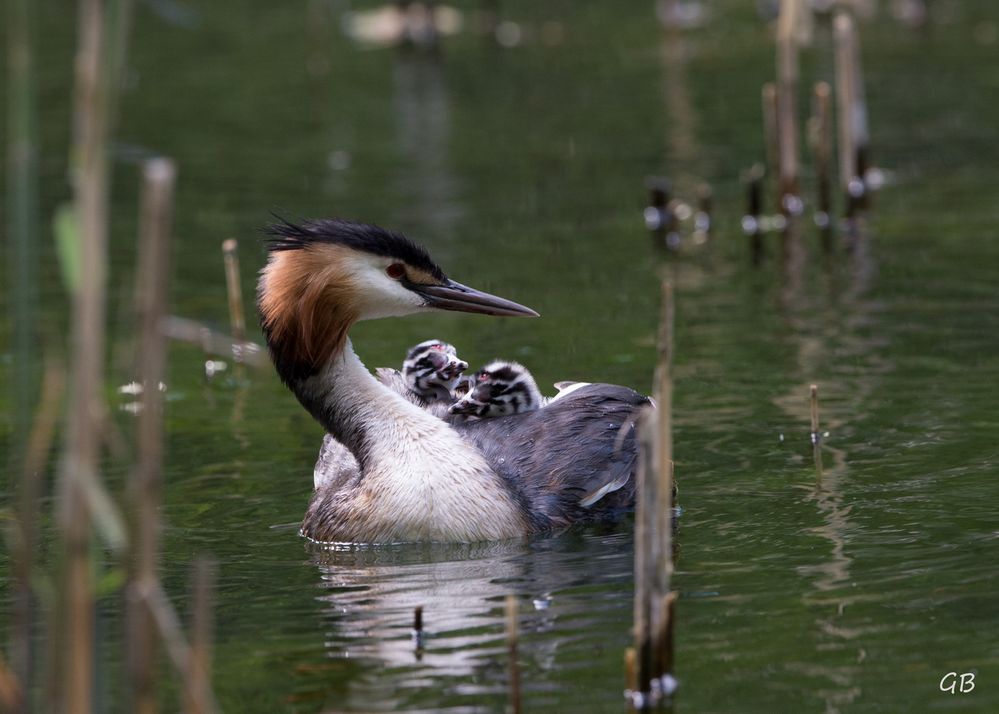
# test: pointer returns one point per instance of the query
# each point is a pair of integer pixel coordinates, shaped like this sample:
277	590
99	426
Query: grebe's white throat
421	481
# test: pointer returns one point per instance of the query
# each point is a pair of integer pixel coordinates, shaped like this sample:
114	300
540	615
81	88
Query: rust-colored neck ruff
306	308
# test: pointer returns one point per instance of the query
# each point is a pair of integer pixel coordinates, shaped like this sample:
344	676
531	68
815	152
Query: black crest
285	235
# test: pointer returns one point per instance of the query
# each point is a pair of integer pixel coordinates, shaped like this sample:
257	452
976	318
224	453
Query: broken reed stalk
666	679
645	557
822	140
654	520
73	694
787	123
664	436
858	115
198	681
813	391
235	292
852	115
663	549
816	434
512	638
152	291
167	625
630	677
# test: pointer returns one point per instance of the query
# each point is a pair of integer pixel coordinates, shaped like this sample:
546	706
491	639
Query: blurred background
514	139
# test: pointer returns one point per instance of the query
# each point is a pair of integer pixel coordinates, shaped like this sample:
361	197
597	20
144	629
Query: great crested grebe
418	477
499	389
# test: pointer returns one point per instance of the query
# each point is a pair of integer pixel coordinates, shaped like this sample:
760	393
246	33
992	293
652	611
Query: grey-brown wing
571	460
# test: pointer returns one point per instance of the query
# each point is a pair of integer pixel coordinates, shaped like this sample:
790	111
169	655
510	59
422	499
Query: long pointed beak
455	296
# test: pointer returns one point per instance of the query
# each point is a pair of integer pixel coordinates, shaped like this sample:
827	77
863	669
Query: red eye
395	271
438	346
483	376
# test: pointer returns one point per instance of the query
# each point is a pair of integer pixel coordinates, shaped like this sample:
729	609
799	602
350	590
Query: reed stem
152	288
852	114
167	626
645	553
90	186
816	433
662	566
648	659
667	606
813	391
822	141
234	291
787	120
771	134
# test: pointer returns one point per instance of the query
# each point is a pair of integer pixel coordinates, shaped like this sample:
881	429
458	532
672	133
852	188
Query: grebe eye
395	271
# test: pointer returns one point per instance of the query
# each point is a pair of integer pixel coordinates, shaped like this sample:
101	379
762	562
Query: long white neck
419	479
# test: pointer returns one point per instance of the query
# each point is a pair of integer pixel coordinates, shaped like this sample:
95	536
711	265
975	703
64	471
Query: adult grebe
419	478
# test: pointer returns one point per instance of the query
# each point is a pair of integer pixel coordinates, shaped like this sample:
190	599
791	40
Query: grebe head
323	275
500	388
432	369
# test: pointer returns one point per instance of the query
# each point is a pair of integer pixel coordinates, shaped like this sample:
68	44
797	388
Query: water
522	169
